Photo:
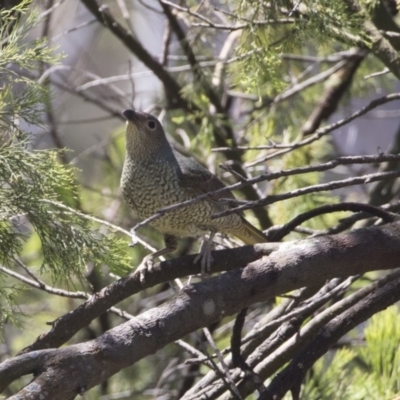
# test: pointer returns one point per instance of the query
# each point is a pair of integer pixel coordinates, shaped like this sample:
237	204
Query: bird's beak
130	115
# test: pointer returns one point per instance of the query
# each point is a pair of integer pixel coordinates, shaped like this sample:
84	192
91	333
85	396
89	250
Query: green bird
155	176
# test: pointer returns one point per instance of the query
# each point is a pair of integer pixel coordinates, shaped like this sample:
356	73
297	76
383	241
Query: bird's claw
133	243
134	240
205	258
205	263
145	267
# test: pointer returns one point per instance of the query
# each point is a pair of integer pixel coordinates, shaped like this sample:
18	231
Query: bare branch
361	180
336	87
69	324
385	294
36	283
272	176
224	372
43	286
291	267
329	128
278	234
268	357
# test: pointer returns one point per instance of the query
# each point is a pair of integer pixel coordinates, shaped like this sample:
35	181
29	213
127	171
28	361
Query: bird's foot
134	239
205	256
205	259
145	267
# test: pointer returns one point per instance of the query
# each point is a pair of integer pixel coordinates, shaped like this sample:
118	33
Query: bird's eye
151	125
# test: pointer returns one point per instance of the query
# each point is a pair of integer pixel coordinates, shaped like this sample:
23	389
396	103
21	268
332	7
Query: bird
155	176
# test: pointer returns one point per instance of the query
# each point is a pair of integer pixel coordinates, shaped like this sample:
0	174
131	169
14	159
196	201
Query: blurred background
98	77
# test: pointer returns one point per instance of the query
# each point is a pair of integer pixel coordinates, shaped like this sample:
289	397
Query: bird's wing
199	180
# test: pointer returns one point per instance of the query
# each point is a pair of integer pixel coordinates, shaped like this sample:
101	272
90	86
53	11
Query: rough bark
64	373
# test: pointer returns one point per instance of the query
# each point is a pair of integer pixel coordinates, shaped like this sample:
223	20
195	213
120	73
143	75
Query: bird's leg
171	244
204	255
133	238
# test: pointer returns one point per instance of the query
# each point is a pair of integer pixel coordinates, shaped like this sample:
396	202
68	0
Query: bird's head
144	134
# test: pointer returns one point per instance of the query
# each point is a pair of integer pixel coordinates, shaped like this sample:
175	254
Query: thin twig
237	357
329	128
277	235
113	227
42	286
38	284
226	373
349	312
307	308
125	14
75	28
272	176
200	357
361	180
207	23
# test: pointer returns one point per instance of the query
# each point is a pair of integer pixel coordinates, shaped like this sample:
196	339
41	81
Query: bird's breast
147	187
150	187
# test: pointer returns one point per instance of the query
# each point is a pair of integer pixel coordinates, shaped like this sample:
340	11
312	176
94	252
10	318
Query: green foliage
9	305
35	187
321	24
36	190
381	356
325	22
330	382
267	63
21	96
370	371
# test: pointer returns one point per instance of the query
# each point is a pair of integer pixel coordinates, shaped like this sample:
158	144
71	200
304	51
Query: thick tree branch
305	263
382	15
335	89
287	341
292	376
380	46
66	326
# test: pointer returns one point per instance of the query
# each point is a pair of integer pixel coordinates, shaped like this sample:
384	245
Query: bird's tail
249	234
